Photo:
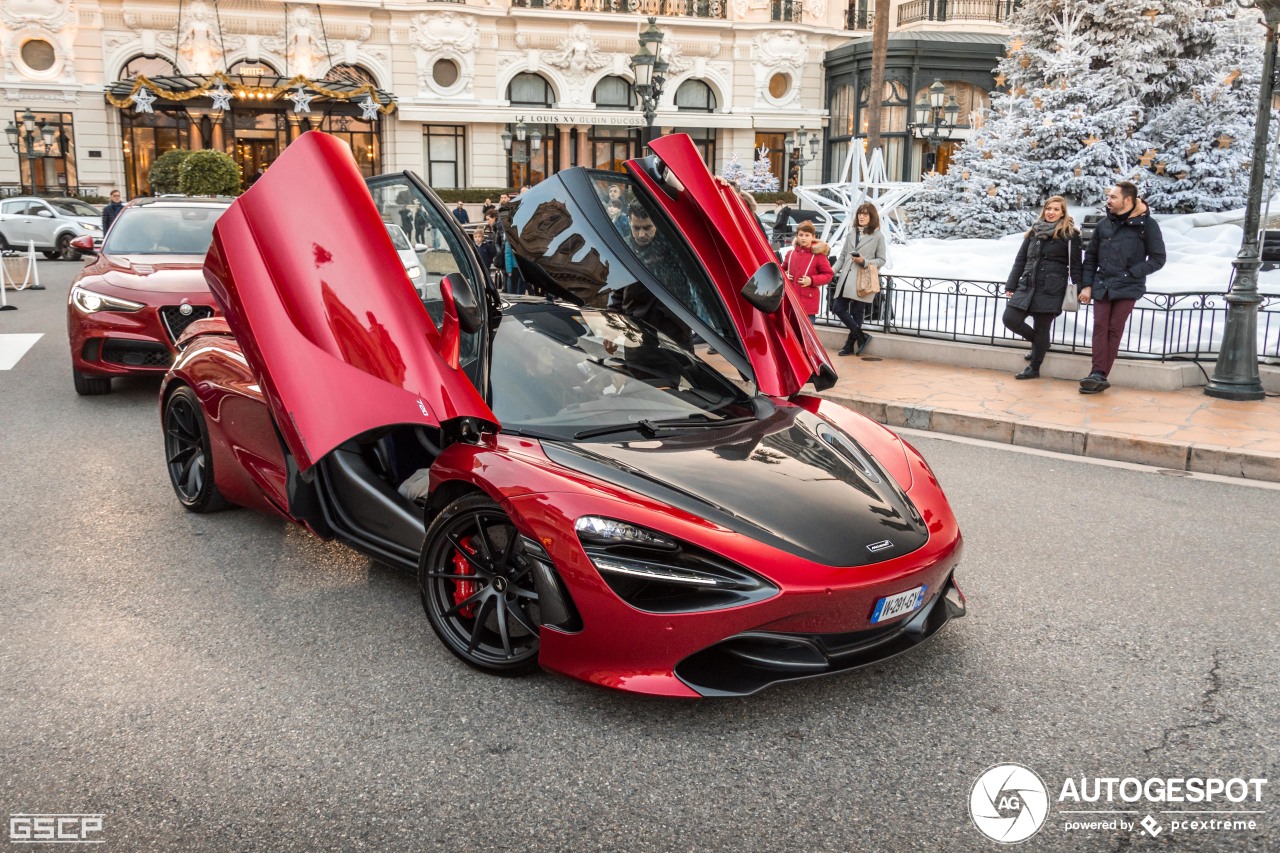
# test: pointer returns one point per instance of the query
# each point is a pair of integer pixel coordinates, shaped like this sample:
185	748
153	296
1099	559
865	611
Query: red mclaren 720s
577	480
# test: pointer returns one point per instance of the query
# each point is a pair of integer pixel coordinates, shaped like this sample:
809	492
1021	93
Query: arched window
155	66
525	165
530	90
842	112
696	96
614	92
357	74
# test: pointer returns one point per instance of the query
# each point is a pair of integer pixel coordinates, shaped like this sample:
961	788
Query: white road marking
13	347
1087	460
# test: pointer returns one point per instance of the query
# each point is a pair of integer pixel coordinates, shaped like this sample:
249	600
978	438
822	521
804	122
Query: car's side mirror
420	247
764	290
84	245
462	313
45	212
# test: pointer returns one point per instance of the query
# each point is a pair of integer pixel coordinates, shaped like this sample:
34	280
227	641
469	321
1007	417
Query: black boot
1028	373
849	347
862	343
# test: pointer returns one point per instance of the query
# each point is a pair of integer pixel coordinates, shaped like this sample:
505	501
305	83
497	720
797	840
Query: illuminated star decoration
1015	45
1090	140
1001	80
221	98
142	100
1232	77
1151	13
1160	167
1224	141
1147	157
1195	148
369	108
301	100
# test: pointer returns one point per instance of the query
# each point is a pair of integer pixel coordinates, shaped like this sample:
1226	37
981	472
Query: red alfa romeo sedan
129	305
575	482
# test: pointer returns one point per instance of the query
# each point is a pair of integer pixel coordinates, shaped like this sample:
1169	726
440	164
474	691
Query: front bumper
115	343
749	662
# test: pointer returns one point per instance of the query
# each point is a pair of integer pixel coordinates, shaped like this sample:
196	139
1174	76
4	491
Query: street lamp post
934	121
1235	376
650	71
521	156
23	141
795	145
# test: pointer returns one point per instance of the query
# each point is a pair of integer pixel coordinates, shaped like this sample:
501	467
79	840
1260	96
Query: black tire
53	256
64	249
477	587
90	386
4	244
187	454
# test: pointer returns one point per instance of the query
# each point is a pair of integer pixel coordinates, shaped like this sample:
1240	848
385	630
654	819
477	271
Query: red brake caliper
462	590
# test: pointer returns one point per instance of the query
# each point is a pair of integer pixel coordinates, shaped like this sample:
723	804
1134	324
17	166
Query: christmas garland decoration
299	82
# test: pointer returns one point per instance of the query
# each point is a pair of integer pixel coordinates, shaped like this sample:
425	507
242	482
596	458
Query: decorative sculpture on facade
200	44
780	51
577	57
53	21
444	35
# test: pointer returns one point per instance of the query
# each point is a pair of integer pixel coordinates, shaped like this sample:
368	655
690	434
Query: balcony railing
914	11
1163	326
786	10
859	19
665	8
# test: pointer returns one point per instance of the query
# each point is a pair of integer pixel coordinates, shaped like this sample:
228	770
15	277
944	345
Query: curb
1177	456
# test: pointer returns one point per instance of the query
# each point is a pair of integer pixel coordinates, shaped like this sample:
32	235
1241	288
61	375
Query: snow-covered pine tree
1080	78
762	179
733	172
1200	146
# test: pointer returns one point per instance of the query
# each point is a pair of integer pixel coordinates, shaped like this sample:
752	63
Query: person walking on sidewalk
1126	247
1037	283
111	211
807	268
868	251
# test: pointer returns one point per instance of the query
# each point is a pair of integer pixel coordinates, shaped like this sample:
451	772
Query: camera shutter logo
1009	803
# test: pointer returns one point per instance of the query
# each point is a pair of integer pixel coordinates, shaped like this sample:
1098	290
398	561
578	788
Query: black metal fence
1163	326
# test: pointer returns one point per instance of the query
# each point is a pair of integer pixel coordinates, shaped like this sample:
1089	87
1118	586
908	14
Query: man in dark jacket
1126	247
461	215
111	211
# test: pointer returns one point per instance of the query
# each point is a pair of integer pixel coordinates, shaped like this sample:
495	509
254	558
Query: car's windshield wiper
652	428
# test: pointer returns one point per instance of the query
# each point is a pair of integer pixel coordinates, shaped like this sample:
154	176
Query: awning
243	90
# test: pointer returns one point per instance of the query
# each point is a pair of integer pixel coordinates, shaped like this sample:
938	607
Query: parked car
574	487
50	223
128	306
409	257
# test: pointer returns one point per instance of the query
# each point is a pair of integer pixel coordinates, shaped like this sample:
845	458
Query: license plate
894	606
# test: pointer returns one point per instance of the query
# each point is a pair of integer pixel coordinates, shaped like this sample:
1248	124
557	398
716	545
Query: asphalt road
229	682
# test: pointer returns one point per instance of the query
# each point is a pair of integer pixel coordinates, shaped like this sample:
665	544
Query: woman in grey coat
868	250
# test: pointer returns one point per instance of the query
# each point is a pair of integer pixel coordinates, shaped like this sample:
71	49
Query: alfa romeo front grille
175	322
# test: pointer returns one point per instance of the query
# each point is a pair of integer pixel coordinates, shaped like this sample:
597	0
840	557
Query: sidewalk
1182	430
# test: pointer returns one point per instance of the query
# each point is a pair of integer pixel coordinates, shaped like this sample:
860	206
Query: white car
50	223
408	256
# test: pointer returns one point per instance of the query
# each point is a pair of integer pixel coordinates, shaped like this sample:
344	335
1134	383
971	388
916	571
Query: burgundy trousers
1109	318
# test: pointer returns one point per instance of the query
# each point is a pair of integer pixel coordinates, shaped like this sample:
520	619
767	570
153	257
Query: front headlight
414	271
659	574
90	302
89	226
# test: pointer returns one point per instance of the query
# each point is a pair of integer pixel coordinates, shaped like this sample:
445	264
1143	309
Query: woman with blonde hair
868	251
1050	255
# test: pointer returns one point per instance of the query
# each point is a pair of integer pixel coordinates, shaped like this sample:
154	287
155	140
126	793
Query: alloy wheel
186	447
478	589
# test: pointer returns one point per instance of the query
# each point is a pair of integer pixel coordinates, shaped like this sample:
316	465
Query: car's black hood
790	481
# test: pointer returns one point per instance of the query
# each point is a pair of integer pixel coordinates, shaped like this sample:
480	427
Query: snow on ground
1200	247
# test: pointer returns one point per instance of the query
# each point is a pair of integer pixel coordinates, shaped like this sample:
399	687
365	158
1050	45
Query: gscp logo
1009	803
55	828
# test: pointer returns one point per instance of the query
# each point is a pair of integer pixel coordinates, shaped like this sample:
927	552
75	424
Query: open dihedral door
783	347
320	303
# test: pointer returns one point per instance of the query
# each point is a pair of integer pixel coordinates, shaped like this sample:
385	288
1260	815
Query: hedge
209	172
164	173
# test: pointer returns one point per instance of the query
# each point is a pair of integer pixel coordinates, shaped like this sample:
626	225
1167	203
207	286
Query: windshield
163	230
398	239
74	207
560	370
593	237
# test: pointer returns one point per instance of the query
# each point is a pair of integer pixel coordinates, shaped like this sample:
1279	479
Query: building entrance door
253	155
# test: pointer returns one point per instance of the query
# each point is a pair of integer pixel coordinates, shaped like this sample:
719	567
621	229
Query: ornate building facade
742	75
